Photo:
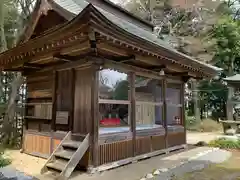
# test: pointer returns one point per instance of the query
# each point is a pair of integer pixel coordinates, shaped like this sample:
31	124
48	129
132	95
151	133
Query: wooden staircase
66	157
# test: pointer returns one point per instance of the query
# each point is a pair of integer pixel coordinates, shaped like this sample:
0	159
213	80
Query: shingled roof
74	7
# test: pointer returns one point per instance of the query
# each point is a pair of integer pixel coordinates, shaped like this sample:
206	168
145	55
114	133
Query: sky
112	76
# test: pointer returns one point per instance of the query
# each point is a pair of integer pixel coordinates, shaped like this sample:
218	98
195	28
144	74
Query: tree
180	27
121	90
13	15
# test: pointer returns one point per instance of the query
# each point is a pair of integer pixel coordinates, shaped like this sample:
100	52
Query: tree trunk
196	100
230	91
3	37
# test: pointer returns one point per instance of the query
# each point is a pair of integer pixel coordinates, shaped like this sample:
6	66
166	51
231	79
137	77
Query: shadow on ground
140	169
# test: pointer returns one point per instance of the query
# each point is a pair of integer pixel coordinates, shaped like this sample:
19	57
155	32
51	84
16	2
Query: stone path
199	163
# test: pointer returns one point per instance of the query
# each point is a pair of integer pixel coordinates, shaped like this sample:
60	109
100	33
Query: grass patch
225	143
206	125
4	161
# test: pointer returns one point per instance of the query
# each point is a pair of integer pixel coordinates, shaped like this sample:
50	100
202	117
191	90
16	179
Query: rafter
69	58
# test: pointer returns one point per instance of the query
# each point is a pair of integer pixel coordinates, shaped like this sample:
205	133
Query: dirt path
195	137
25	163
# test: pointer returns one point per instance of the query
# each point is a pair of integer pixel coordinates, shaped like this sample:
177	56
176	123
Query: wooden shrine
102	89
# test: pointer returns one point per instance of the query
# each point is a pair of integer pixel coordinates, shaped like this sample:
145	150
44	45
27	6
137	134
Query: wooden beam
133	111
139	56
157	67
129	68
124	58
186	78
32	66
179	73
68	58
94	132
74	64
92	41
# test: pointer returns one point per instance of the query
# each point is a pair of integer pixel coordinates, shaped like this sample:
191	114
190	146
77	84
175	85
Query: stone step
71	144
58	165
65	154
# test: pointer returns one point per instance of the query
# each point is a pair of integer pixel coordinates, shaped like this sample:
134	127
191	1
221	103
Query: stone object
163	170
230	131
156	172
149	176
201	143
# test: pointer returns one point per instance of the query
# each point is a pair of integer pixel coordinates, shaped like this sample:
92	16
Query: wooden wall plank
36	144
82	104
175	139
114	151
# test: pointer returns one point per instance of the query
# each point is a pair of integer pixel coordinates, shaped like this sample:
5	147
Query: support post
72	82
165	123
133	112
94	132
183	117
54	100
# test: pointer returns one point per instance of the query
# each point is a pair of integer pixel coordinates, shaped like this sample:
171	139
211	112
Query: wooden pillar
164	114
54	100
94	132
133	112
182	101
72	84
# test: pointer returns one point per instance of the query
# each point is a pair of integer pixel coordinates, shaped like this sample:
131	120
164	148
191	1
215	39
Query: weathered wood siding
176	139
64	100
82	105
37	145
115	151
39	101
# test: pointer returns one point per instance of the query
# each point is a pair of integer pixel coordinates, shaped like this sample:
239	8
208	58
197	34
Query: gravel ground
200	163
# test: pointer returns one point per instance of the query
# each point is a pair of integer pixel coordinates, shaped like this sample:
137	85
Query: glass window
114	104
148	102
174	104
173	115
113	85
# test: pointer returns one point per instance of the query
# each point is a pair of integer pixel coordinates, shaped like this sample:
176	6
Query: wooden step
71	144
58	165
66	154
78	137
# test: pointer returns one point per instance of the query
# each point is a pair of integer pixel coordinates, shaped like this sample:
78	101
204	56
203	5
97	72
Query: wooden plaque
62	117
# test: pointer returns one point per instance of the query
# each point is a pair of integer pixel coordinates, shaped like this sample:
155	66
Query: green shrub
190	122
3	160
225	143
